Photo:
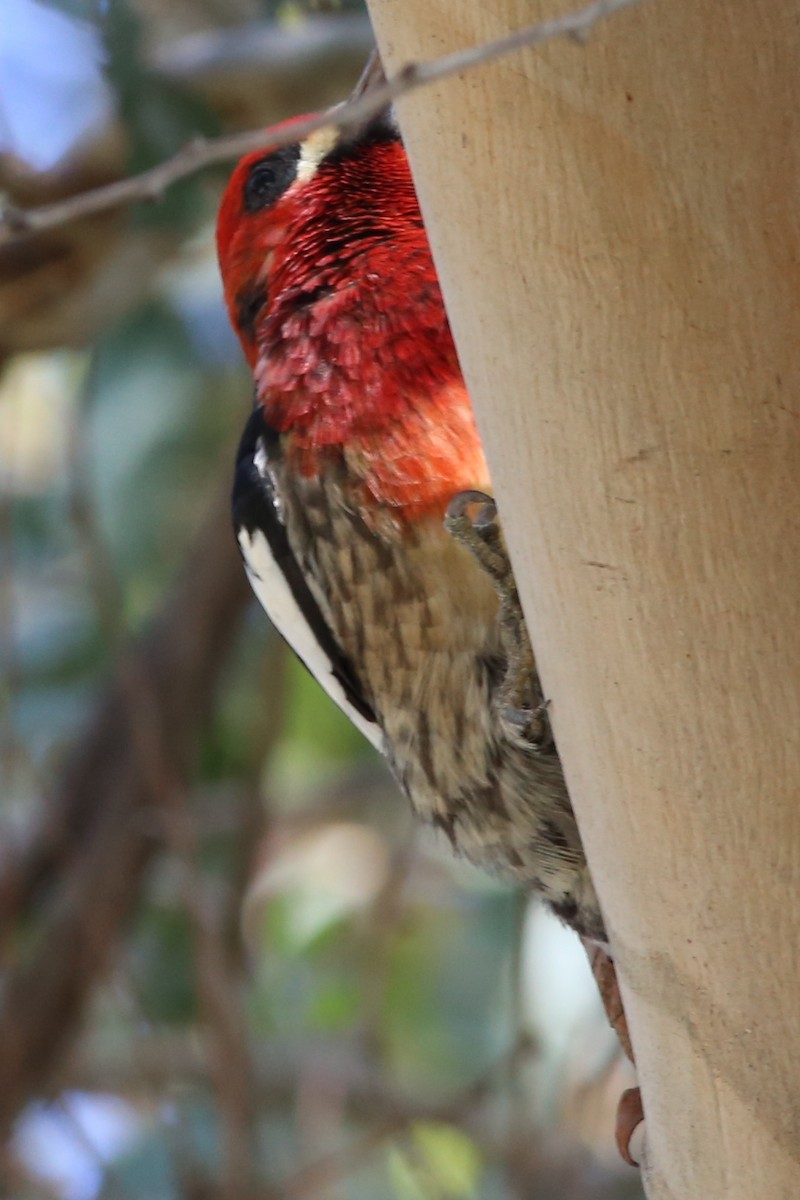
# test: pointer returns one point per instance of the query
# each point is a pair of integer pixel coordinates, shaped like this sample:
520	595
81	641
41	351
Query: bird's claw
471	518
531	726
457	508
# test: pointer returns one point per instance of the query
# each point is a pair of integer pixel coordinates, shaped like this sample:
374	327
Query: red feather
352	349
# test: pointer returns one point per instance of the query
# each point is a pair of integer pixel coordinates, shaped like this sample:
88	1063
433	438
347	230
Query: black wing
278	579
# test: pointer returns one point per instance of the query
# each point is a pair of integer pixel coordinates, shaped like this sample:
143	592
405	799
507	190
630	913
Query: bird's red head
249	229
330	284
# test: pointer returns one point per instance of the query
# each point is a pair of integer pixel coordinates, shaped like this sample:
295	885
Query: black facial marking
249	304
269	178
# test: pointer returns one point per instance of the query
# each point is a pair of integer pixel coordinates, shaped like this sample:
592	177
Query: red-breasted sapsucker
362	442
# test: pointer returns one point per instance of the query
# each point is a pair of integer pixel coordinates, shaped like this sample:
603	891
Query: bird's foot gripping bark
471	519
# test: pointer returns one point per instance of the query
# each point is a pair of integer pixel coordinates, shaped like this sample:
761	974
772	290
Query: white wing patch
275	596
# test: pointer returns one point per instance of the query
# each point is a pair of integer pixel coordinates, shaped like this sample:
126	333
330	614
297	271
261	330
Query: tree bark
616	228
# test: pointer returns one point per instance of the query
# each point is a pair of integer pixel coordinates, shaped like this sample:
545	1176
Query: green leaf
441	1163
448	1158
404	1178
335	1006
318	736
164	966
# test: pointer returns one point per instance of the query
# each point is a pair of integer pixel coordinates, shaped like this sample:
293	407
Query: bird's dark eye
269	178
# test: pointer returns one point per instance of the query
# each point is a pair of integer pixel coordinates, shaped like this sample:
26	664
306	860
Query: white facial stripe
276	598
313	150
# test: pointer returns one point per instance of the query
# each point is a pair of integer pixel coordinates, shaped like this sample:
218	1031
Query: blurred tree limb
84	865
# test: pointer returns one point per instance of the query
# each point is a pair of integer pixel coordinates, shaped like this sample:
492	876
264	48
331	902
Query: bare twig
200	153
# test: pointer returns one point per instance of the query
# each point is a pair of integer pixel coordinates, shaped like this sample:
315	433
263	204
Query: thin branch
200	153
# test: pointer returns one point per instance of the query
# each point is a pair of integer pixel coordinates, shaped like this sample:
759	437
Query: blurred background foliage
229	964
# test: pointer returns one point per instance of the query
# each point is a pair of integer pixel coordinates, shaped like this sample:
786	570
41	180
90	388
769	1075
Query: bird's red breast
334	294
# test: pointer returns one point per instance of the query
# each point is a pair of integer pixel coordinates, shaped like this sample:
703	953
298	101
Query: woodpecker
362	503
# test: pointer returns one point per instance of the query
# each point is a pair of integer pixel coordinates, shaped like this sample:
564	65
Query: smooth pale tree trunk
617	229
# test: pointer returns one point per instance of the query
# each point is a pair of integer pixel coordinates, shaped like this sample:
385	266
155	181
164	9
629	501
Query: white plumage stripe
276	598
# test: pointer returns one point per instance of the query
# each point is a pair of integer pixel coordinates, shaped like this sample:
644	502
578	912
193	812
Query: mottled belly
418	619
